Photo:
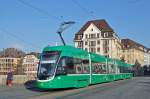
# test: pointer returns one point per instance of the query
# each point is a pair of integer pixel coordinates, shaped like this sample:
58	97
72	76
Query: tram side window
104	69
121	69
66	64
78	66
111	68
117	69
72	65
124	69
85	65
98	68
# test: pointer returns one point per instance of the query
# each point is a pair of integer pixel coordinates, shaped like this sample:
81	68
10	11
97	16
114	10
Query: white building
30	65
8	63
98	37
146	57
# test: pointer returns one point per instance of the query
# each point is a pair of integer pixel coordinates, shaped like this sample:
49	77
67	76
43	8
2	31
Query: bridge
135	88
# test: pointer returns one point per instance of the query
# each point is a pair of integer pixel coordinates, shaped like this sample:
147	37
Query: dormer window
79	37
105	34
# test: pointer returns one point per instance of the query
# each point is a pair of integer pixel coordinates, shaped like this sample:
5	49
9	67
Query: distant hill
12	52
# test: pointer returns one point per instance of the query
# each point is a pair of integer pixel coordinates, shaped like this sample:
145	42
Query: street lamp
64	26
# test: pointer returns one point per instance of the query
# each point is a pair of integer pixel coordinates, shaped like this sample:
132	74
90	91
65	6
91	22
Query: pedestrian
10	79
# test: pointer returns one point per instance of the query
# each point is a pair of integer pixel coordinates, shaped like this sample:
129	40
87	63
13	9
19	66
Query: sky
30	25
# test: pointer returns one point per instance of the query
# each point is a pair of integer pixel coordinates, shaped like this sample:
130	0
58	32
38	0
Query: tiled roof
100	24
128	43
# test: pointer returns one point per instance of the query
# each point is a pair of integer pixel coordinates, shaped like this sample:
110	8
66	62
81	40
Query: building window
92	36
86	43
98	35
93	50
106	42
106	34
98	42
106	46
79	44
98	49
86	36
92	29
93	43
106	50
79	37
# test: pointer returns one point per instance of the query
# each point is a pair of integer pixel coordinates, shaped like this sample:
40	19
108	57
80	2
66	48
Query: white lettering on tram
48	61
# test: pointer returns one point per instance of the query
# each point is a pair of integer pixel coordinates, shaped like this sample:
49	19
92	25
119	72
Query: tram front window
47	65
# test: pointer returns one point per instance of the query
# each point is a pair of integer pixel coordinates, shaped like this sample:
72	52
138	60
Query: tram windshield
47	65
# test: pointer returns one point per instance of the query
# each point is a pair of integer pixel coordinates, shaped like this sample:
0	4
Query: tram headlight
48	78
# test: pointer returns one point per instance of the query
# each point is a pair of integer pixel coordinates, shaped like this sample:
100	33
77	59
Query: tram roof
121	63
64	48
76	52
98	58
79	53
68	51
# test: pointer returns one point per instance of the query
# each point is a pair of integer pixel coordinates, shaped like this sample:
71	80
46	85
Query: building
98	37
133	52
30	65
9	63
146	56
149	57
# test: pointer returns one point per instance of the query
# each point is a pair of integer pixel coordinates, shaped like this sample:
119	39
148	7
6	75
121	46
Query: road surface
135	88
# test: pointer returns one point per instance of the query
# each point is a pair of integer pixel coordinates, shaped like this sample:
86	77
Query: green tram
70	67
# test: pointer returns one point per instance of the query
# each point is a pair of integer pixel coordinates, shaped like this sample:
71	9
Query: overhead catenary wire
18	38
39	10
86	11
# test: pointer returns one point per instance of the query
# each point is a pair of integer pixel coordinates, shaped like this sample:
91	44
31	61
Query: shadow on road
30	85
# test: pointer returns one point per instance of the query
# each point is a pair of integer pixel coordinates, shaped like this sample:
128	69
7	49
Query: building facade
133	52
30	65
7	64
98	37
146	56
